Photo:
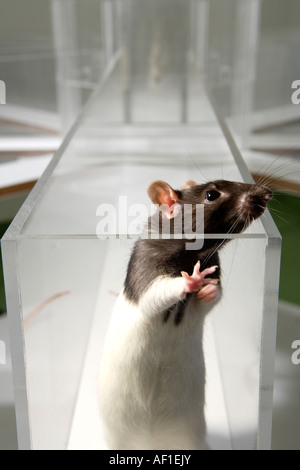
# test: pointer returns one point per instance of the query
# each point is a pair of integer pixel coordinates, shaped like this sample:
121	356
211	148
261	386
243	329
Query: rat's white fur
152	376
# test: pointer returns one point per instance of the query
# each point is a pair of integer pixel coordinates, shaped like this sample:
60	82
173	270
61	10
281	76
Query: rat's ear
188	184
162	193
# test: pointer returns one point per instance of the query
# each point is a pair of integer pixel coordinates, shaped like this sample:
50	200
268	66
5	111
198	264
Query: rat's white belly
152	377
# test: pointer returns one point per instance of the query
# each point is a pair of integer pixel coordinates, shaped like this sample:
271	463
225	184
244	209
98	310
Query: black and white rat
152	375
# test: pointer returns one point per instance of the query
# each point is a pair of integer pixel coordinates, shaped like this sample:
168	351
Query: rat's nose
266	194
267	191
255	202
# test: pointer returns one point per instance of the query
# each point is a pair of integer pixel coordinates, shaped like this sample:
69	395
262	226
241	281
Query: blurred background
53	53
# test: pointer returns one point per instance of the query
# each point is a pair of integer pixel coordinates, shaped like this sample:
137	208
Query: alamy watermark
2	92
296	354
154	222
296	94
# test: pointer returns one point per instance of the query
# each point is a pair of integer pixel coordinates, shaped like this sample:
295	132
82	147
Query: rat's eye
212	195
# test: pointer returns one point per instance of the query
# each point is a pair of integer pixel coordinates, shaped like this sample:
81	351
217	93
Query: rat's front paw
208	293
197	280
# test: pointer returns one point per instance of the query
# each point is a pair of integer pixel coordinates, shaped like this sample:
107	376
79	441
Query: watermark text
296	354
296	93
154	222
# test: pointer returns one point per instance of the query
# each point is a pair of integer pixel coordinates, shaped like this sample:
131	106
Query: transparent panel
57	322
278	55
52	56
61	278
27	63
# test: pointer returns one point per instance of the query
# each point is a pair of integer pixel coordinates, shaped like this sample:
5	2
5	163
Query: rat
152	376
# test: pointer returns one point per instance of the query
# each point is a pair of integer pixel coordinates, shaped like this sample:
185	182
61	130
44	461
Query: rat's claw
185	275
196	271
208	271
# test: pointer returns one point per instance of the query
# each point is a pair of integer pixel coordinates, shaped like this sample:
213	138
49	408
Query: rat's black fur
152	258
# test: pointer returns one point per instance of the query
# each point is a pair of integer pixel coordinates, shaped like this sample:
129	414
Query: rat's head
229	207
